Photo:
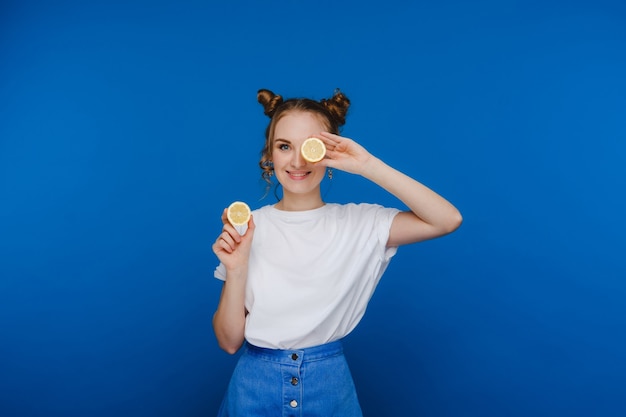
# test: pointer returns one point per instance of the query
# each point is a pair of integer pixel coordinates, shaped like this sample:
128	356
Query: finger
339	143
329	141
249	233
230	243
225	216
223	247
229	239
332	157
220	246
232	231
331	137
251	225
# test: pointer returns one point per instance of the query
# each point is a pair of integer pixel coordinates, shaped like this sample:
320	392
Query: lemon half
238	213
313	150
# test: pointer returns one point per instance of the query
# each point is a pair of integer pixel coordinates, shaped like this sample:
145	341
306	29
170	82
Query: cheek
320	170
278	158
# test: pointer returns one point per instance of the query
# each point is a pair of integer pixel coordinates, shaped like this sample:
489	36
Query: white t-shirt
312	273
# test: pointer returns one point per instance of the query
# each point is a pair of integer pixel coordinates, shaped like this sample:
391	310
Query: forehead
298	124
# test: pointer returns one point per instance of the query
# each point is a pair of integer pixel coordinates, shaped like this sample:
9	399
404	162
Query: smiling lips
298	175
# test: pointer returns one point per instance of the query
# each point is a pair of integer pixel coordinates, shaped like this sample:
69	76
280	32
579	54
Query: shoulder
364	222
262	211
360	209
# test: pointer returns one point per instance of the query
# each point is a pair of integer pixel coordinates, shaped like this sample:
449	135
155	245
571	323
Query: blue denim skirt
311	382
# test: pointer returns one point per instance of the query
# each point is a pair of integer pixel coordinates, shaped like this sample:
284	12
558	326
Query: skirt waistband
296	356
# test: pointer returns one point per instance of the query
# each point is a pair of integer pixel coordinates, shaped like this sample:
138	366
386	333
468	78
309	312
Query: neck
300	203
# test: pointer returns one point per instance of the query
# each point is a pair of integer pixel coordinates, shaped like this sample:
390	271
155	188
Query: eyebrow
282	140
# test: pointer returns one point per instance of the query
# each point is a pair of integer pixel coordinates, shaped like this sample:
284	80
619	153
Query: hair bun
269	101
337	106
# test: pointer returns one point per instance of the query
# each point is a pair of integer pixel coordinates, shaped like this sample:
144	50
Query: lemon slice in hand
238	213
313	150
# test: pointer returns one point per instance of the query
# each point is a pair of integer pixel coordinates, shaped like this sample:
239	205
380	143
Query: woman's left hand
345	154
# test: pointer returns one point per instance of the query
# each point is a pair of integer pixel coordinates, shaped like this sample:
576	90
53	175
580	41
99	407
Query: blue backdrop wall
126	127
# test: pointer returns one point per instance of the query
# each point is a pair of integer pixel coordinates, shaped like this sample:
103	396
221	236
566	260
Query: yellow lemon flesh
238	213
313	150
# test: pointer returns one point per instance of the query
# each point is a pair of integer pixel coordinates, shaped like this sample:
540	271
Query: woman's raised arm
430	214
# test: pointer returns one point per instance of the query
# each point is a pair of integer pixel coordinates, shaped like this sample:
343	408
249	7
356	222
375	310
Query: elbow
229	338
453	223
458	220
231	349
229	343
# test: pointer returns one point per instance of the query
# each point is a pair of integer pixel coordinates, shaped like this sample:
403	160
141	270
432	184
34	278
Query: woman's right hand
231	248
233	251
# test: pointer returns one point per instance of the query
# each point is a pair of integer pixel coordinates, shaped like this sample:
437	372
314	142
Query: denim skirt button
263	383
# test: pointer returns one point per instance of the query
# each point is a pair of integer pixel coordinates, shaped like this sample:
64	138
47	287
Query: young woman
300	277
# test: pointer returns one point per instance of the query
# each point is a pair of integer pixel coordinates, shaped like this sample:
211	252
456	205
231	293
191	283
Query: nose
297	160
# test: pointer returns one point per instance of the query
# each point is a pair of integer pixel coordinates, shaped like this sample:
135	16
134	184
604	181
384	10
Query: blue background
127	126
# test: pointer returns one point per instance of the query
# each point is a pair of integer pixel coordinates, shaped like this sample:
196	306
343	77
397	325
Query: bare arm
430	214
233	250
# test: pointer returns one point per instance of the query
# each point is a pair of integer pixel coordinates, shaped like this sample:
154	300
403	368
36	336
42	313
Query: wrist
372	168
237	271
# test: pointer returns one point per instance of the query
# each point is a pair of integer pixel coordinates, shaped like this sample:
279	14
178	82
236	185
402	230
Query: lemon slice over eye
238	213
313	150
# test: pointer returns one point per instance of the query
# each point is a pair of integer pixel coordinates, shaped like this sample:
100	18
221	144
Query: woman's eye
283	147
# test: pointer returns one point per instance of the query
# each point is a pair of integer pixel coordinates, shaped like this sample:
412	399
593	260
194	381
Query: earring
330	173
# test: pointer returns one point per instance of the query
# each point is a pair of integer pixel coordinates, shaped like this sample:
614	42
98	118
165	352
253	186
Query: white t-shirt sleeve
383	218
